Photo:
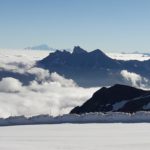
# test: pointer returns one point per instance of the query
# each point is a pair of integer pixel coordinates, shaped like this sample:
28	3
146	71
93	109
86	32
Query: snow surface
76	137
109	117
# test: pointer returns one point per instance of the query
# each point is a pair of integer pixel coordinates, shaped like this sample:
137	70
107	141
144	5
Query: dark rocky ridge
92	68
118	98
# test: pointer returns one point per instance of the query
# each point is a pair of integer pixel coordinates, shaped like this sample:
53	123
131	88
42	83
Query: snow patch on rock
119	105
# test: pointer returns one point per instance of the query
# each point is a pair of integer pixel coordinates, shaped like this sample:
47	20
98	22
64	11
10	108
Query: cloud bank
10	85
44	94
53	96
135	79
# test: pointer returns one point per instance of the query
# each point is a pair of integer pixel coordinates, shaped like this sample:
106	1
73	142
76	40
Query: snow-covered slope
110	117
76	137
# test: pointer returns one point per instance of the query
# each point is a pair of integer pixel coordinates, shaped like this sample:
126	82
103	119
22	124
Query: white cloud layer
135	79
46	93
53	96
10	85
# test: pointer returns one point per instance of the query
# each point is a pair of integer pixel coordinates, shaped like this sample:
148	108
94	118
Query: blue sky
110	25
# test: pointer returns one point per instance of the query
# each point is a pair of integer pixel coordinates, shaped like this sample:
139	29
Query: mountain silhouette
93	68
118	98
40	47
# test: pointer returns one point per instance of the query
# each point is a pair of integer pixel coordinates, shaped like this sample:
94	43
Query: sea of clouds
46	93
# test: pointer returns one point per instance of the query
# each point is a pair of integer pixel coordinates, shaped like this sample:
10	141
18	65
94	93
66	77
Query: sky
110	25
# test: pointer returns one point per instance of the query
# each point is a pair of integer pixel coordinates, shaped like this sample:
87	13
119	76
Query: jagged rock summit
78	50
92	68
118	98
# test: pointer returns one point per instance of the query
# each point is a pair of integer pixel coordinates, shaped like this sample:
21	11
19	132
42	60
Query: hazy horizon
115	26
53	49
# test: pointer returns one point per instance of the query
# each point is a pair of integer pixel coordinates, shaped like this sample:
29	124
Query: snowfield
76	137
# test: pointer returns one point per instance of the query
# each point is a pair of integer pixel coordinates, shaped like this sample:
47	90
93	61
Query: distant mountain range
118	98
144	53
40	47
93	68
